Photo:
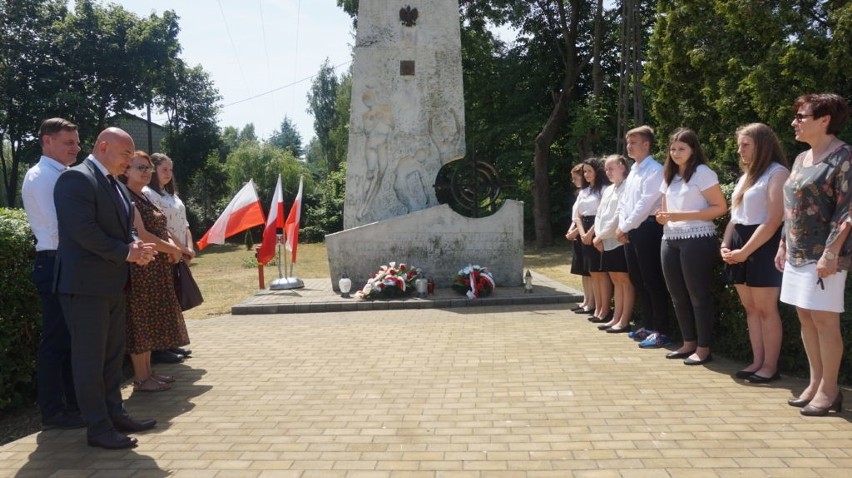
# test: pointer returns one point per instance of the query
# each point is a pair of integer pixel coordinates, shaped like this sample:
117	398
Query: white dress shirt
37	193
641	196
689	196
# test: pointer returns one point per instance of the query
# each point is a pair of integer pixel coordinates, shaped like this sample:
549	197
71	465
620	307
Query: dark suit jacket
94	233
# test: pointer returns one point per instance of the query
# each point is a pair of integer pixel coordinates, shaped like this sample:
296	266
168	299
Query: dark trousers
688	268
97	326
646	274
54	379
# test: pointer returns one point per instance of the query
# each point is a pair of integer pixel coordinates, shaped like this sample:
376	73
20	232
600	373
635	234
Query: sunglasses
798	117
142	168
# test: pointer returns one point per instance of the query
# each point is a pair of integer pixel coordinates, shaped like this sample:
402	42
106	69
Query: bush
20	314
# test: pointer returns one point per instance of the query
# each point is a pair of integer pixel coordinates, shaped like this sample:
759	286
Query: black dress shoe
597	320
613	330
165	356
743	374
179	351
112	440
63	421
679	355
690	361
755	378
604	327
583	310
127	423
578	309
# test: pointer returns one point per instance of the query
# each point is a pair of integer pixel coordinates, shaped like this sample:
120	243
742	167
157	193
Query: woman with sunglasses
154	317
813	253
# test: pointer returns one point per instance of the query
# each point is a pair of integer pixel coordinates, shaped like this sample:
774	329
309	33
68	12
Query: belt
50	253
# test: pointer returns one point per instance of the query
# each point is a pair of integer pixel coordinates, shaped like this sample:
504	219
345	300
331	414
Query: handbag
187	290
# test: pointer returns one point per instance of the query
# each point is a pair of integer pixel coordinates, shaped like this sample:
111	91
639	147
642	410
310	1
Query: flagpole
288	282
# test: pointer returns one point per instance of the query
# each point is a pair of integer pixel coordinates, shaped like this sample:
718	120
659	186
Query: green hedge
20	313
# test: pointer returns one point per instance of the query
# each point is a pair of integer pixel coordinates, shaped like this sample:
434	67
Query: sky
260	54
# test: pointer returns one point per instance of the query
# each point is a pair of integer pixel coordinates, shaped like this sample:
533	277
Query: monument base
437	240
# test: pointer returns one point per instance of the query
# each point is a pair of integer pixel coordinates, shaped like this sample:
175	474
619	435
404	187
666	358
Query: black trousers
55	382
97	326
646	274
688	268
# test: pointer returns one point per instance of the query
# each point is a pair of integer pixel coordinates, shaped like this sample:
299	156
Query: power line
335	67
233	46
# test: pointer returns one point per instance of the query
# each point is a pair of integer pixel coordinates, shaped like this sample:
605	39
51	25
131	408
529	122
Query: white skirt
799	287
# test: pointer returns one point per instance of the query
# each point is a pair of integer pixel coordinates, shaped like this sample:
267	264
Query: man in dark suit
95	246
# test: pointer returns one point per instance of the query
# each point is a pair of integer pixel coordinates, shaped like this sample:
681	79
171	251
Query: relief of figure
445	130
410	181
379	124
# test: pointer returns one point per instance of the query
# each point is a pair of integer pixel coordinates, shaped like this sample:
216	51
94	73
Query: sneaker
655	341
640	334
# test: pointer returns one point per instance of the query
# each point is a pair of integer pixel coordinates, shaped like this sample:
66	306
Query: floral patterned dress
817	199
154	317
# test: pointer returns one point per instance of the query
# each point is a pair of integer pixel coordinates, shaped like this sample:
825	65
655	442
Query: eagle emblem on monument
408	16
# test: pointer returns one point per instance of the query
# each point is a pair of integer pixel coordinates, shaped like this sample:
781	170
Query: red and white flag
291	227
243	212
274	221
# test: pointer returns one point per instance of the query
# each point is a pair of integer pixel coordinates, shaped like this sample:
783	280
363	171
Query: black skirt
759	269
591	256
615	260
577	266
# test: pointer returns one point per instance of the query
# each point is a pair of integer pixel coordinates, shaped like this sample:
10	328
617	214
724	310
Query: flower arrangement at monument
474	281
389	282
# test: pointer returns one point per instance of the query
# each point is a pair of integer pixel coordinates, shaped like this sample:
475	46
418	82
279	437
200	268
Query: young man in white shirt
60	143
641	235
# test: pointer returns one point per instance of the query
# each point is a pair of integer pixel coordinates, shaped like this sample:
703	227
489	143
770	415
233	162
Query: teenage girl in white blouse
692	198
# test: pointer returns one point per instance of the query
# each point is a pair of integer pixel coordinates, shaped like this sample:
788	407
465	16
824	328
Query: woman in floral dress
154	318
813	253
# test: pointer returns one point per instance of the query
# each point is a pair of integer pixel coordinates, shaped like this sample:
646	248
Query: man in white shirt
60	143
641	235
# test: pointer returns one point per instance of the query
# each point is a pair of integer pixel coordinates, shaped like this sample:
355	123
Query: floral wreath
474	281
390	282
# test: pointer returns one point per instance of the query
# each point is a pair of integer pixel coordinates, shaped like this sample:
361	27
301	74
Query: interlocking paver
491	392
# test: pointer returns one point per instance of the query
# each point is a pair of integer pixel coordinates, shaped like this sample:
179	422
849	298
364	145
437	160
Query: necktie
117	193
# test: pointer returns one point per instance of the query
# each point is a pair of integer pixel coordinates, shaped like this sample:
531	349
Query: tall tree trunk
597	78
541	179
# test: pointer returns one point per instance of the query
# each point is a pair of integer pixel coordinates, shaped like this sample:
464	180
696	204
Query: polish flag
291	227
274	222
243	212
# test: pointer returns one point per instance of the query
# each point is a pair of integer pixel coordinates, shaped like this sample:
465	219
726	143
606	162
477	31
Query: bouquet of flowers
474	281
390	282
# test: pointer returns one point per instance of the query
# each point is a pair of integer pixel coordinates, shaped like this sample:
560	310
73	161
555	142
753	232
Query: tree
287	138
321	103
263	163
28	81
191	103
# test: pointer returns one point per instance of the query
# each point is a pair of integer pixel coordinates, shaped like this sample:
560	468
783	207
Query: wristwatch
830	256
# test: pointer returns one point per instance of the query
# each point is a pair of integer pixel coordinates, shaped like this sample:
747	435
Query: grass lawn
226	277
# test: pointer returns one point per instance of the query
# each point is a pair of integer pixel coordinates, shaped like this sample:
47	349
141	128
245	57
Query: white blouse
753	208
587	203
175	212
606	220
687	196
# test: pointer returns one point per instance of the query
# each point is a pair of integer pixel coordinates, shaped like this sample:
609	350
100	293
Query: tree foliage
89	64
288	138
321	103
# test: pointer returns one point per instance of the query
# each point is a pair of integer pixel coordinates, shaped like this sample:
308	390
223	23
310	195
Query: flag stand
282	282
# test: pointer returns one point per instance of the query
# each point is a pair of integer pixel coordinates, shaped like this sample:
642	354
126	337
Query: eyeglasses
798	117
144	168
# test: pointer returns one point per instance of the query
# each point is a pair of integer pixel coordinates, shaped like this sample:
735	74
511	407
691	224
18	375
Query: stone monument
407	121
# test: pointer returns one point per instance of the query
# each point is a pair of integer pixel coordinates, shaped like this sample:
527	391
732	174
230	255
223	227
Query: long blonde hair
767	150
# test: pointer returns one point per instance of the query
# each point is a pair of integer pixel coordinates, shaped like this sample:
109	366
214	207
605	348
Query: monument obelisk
407	121
407	117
